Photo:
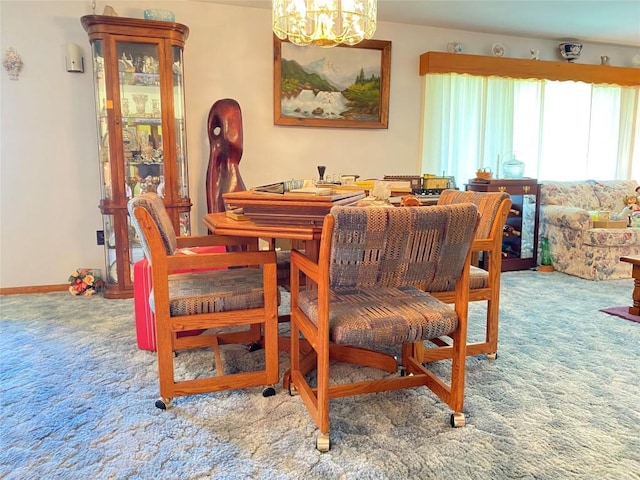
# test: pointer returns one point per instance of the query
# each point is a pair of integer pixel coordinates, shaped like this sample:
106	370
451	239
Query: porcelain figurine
109	11
454	47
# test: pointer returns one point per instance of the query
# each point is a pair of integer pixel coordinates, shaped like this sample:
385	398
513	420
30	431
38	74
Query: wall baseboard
34	289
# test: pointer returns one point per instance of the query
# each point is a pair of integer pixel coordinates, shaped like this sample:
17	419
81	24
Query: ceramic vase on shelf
141	102
125	107
570	51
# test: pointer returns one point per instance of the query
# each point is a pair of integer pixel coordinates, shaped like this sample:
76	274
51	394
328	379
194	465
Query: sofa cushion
566	217
611	193
573	194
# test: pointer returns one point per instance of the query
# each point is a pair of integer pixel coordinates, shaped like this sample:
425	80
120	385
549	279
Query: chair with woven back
484	282
234	293
373	269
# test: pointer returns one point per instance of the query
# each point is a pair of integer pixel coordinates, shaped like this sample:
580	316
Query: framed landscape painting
345	86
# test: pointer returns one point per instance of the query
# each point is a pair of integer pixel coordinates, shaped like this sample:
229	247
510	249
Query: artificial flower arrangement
85	282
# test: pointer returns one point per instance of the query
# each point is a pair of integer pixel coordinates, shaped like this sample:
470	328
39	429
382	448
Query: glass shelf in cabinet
141	79
140	120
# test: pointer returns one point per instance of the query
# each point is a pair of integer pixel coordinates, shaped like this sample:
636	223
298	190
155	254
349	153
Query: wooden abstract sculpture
225	139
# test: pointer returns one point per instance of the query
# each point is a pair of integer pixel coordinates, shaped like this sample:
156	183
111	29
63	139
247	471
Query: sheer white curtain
467	123
561	130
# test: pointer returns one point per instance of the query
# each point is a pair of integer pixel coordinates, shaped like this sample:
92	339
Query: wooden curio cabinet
139	94
520	234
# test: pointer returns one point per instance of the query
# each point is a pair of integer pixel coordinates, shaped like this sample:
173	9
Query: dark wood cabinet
139	95
520	235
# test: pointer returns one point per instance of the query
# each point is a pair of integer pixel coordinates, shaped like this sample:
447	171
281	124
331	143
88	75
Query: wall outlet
100	237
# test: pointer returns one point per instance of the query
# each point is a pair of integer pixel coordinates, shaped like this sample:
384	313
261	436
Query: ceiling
615	22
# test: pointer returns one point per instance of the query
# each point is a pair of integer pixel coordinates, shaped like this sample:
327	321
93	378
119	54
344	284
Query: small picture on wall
345	86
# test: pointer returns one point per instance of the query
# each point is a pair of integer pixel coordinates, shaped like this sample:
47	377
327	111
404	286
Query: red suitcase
145	319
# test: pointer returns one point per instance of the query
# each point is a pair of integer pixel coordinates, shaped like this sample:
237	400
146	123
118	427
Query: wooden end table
635	274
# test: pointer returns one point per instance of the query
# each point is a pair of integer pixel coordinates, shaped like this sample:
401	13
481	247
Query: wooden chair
373	268
242	295
484	284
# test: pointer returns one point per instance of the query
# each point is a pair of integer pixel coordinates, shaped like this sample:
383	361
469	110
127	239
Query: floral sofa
576	247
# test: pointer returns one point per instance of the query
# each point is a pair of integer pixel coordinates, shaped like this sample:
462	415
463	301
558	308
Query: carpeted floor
560	402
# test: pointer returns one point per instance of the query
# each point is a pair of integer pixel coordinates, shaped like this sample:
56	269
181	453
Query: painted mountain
338	77
320	89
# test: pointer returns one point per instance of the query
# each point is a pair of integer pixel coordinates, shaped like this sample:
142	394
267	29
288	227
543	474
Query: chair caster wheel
323	444
492	356
255	347
458	420
268	392
163	403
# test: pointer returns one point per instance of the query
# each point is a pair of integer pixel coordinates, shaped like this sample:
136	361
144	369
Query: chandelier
324	23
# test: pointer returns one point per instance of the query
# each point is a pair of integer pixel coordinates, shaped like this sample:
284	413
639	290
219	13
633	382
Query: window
562	130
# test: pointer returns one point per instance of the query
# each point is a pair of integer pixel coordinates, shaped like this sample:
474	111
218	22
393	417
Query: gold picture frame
343	87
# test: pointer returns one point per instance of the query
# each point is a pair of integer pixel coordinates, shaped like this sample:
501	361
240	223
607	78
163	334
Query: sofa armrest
566	217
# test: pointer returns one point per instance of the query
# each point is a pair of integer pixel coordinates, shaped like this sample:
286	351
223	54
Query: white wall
49	184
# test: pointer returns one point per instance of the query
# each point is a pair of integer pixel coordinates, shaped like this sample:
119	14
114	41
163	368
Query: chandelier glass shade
324	23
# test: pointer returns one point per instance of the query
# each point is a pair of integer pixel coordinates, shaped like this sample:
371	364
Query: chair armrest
215	240
220	260
482	245
304	264
567	217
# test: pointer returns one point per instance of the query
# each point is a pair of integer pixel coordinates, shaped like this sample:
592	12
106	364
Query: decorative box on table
290	209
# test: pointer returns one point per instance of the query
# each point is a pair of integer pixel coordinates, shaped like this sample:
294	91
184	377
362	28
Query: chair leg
165	353
316	400
307	364
322	442
452	394
458	365
493	313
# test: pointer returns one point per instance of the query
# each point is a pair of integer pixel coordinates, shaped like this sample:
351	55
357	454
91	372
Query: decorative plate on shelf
497	49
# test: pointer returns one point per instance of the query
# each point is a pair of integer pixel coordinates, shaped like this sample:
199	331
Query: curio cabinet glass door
139	96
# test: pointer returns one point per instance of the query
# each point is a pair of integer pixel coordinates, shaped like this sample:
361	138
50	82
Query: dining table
295	217
309	235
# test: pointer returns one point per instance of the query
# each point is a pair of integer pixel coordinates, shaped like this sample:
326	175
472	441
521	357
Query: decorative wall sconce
13	63
74	58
